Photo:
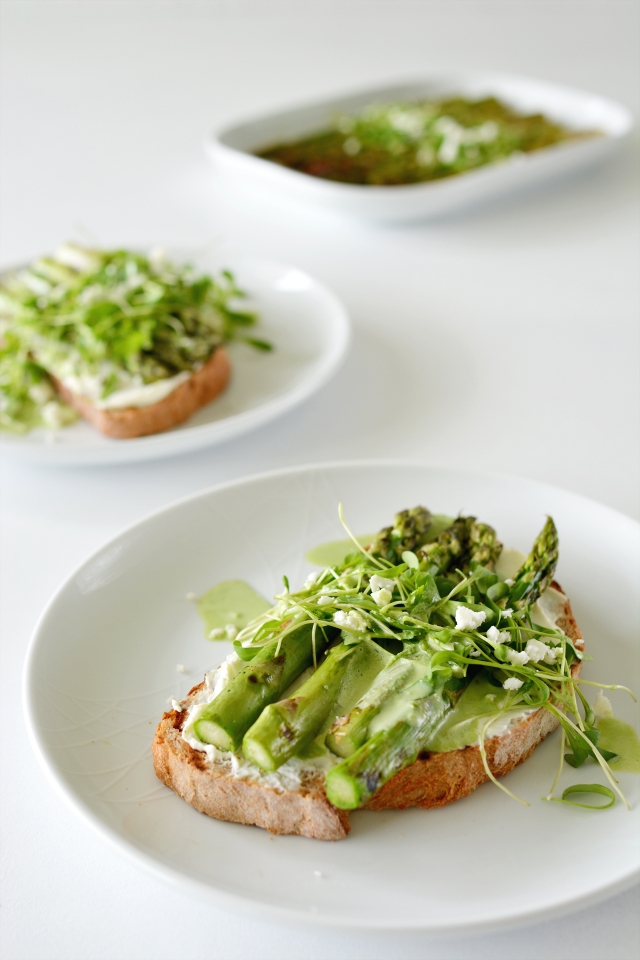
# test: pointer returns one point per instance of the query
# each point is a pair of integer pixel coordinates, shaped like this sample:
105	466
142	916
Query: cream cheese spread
288	777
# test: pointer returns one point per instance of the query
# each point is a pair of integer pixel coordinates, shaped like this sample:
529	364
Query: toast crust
432	781
201	388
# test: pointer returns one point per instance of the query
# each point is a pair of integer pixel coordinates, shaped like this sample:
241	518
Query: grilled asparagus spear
354	781
265	678
350	732
536	573
284	728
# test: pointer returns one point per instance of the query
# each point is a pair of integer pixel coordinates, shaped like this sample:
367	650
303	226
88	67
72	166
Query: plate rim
246	905
197	437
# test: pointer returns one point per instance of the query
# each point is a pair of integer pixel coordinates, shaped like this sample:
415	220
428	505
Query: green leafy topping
104	321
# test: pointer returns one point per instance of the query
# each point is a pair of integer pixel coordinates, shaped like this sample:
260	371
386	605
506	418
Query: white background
502	339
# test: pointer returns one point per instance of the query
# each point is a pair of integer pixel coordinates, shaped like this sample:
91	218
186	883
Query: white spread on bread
137	395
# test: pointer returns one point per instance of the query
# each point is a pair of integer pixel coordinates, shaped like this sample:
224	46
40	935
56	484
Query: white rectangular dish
232	149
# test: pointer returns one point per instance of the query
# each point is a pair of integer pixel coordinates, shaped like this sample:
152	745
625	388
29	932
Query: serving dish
231	149
102	666
309	329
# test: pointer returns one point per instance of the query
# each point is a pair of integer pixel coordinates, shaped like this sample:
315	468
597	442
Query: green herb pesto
461	727
232	603
413	142
334	552
621	739
106	321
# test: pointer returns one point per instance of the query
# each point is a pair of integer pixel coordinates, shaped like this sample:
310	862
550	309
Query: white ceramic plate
309	329
102	664
232	148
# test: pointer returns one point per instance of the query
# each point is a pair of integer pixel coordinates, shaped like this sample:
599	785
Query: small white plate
309	329
102	664
232	148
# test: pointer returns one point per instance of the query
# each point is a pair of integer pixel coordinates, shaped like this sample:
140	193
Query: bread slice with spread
134	344
409	684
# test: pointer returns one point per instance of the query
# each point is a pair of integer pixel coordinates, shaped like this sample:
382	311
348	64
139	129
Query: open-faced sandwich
134	344
425	663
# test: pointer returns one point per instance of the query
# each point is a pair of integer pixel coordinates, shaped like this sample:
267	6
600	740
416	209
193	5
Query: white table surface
504	339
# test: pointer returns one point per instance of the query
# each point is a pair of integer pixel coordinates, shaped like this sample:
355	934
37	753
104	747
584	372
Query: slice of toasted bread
201	388
433	780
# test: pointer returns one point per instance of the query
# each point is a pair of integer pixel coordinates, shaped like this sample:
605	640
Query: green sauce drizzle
230	602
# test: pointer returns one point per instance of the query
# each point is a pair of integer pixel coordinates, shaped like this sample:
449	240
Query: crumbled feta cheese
498	636
515	656
190	596
41	392
231	631
180	668
350	620
536	650
52	415
425	156
512	683
311	579
325	601
218	633
507	612
351	146
602	707
176	705
382	597
553	654
509	582
467	619
381	583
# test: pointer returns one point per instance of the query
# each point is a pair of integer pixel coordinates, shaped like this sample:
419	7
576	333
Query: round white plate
309	329
102	664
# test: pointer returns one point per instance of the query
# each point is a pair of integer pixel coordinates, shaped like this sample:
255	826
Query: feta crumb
41	392
602	707
498	636
507	612
522	657
350	621
231	631
180	668
217	633
382	597
311	579
176	705
190	596
325	601
381	583
509	582
52	415
536	650
467	619
512	683
351	146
